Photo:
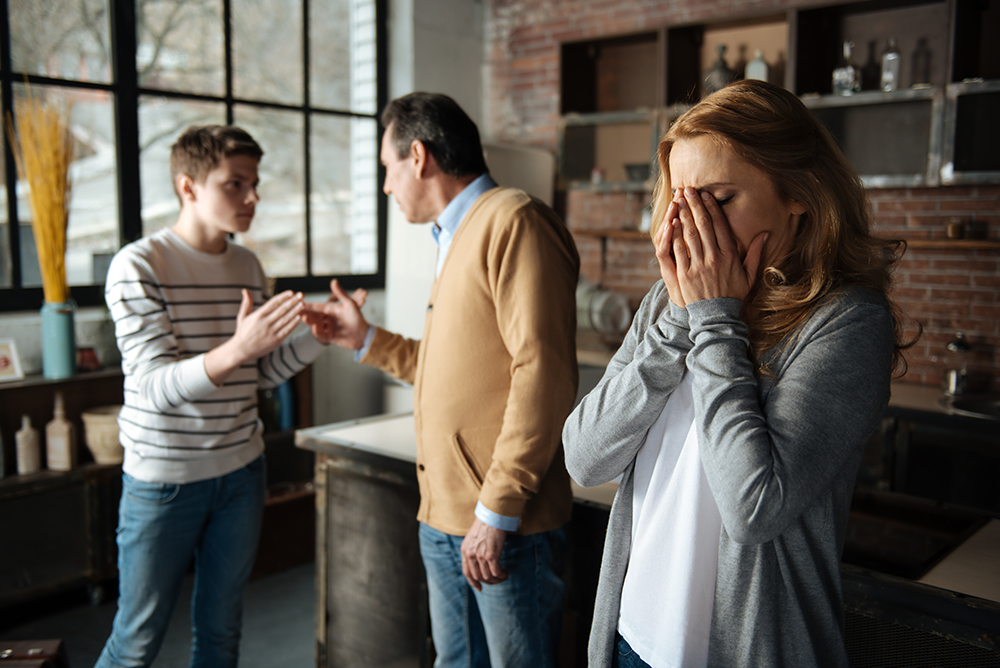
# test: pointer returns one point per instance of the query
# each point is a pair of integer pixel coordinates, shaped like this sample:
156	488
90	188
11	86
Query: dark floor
278	627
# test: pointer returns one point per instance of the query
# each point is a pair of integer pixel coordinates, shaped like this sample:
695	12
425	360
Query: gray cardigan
780	451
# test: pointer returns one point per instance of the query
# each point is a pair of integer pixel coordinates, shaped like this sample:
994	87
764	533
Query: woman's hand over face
697	253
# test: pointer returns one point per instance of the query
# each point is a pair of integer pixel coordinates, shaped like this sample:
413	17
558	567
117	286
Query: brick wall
945	290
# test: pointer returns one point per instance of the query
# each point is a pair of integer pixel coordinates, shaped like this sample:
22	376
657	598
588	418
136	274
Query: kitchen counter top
594	351
971	568
929	405
914	397
393	436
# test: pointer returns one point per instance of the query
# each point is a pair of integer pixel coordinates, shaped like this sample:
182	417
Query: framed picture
10	363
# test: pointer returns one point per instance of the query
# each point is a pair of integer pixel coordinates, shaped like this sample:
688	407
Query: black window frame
126	92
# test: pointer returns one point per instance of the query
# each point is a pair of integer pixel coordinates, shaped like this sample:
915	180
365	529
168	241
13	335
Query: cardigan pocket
468	460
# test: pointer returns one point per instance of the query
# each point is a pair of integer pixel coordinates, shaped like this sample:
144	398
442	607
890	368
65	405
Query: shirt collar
447	223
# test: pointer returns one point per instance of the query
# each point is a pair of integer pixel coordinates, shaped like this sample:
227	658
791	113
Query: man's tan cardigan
495	372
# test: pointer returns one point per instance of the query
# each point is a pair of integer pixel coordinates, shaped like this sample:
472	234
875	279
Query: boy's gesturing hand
257	333
261	331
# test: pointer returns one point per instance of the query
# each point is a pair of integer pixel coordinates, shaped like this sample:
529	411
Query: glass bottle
757	68
921	70
29	452
718	75
846	77
60	439
871	71
890	66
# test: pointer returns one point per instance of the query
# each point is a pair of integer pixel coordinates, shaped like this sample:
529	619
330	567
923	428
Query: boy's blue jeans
508	625
160	528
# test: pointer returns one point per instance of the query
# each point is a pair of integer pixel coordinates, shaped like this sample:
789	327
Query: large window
304	77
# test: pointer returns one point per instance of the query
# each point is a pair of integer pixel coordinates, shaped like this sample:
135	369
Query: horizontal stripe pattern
171	305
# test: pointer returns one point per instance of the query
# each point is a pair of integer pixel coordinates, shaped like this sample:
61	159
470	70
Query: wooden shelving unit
613	234
953	244
938	129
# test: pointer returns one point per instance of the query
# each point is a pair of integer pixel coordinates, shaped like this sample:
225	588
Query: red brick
904	292
987	281
889	206
888	193
940	279
953	192
964	296
965	205
955	262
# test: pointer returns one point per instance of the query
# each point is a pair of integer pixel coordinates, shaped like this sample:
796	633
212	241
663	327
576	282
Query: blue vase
58	339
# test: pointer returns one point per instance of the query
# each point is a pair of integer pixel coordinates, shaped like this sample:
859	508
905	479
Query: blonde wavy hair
769	128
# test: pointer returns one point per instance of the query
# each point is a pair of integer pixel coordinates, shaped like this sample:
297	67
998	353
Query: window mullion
307	135
7	90
227	31
126	104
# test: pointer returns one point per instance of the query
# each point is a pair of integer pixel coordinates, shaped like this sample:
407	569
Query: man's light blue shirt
446	225
444	230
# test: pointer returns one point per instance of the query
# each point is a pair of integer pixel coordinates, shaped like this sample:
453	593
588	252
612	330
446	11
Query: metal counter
372	601
371	593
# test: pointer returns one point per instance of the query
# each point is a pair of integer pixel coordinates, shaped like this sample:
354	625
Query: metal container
955	382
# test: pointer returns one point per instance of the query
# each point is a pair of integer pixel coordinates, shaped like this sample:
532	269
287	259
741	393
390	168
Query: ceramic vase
58	339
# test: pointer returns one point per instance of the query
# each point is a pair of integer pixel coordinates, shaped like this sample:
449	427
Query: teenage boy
197	340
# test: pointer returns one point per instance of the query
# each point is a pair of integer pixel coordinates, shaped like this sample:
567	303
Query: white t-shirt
669	590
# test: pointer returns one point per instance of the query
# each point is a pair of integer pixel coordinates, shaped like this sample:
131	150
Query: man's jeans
160	528
508	625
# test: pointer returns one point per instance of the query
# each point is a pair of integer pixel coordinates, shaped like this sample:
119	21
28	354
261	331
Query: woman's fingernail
707	197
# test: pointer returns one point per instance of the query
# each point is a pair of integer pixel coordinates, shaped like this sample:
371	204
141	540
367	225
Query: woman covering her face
738	407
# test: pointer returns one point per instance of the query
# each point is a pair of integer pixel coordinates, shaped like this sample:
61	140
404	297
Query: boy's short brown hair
201	148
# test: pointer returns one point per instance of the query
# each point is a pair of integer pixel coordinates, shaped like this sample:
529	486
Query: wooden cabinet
615	144
613	112
58	532
971	133
58	527
892	139
939	128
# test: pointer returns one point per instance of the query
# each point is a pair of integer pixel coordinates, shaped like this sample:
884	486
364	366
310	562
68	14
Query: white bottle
60	439
29	451
757	68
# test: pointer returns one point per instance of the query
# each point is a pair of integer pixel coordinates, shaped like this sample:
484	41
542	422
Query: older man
494	378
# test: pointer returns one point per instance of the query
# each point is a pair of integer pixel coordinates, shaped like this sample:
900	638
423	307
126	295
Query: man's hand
338	319
257	333
481	555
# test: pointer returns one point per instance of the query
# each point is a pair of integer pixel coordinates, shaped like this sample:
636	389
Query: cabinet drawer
45	539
